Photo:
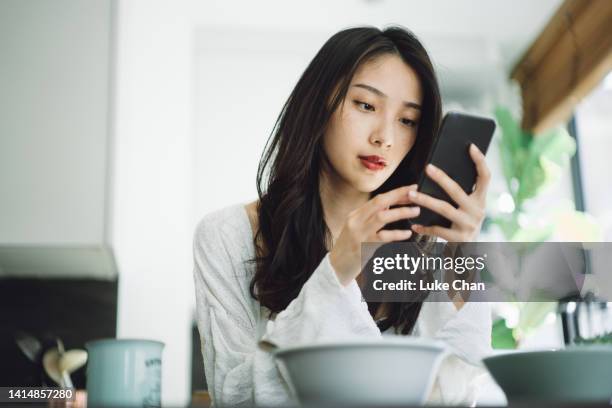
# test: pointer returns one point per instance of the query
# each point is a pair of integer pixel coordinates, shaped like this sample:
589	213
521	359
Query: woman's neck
338	199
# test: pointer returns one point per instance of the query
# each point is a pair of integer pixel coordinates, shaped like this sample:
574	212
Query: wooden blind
569	58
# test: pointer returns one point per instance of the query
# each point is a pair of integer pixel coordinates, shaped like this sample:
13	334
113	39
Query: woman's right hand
365	224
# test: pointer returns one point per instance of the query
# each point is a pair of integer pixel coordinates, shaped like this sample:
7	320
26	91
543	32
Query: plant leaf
532	315
501	336
533	234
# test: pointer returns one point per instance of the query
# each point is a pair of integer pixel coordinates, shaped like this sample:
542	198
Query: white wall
153	202
54	107
242	80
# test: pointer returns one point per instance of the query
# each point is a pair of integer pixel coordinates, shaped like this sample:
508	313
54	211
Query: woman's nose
382	136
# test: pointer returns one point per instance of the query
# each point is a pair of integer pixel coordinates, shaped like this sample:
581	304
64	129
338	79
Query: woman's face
376	125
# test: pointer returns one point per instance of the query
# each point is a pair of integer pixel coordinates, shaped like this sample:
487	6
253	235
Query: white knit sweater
231	322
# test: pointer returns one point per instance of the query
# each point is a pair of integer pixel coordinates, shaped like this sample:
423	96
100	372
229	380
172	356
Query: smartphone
450	153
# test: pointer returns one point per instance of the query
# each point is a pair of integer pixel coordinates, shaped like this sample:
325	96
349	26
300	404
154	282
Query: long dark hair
292	237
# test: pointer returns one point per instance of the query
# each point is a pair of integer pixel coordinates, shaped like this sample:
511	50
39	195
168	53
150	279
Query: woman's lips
372	162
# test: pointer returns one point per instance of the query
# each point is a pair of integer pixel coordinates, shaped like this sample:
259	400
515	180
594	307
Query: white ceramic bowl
576	374
391	371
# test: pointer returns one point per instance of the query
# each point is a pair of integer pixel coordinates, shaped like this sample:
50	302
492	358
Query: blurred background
123	122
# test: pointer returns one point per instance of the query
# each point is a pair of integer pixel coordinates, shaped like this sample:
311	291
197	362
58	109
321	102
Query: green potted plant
530	164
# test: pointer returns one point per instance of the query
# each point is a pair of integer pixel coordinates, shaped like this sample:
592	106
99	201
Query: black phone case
450	153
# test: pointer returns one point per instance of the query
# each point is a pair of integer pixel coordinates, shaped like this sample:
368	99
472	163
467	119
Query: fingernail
431	167
412	194
416	227
474	148
417	210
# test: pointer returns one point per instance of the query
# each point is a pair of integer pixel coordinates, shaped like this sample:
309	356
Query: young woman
285	268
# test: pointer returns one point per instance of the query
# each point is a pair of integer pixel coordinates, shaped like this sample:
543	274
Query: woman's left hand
468	217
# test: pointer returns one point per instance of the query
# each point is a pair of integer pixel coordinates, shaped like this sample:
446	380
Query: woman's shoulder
228	227
223	252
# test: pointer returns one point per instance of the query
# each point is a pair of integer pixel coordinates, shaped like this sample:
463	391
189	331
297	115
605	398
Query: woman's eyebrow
378	92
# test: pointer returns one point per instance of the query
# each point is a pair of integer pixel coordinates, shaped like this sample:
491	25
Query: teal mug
124	373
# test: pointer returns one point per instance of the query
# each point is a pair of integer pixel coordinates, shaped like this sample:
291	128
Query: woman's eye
364	105
409	122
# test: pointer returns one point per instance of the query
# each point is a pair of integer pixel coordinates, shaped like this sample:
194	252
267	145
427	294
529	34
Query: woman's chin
368	186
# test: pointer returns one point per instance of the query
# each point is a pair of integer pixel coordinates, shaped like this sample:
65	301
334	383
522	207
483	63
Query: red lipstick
373	162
